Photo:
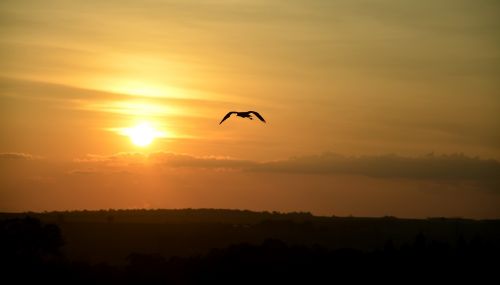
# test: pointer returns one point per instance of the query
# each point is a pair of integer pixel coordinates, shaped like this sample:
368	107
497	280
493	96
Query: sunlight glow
134	108
143	134
139	88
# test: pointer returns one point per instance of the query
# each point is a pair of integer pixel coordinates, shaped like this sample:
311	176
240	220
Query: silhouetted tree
29	249
28	239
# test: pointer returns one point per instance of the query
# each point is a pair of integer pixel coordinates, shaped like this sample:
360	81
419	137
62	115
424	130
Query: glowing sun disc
142	134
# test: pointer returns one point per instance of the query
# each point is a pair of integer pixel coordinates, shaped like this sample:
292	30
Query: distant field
111	236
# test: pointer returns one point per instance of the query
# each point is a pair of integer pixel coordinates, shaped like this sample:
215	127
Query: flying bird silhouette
247	114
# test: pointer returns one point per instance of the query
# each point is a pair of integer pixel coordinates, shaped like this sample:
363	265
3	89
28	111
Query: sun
142	134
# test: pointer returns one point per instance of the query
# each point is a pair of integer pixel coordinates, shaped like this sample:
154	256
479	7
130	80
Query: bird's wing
258	115
226	116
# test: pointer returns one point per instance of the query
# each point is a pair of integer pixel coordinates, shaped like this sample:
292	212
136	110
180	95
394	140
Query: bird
247	114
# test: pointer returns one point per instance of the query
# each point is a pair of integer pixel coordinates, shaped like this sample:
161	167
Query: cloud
432	167
432	185
83	172
121	157
442	167
185	160
88	99
17	156
168	159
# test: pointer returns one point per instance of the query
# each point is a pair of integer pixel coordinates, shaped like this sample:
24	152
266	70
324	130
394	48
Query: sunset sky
373	108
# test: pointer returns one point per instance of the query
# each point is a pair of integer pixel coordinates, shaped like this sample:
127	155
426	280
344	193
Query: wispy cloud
185	160
169	159
18	156
72	97
448	185
433	167
449	167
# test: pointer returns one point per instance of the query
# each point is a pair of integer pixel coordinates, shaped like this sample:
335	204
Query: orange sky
373	107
